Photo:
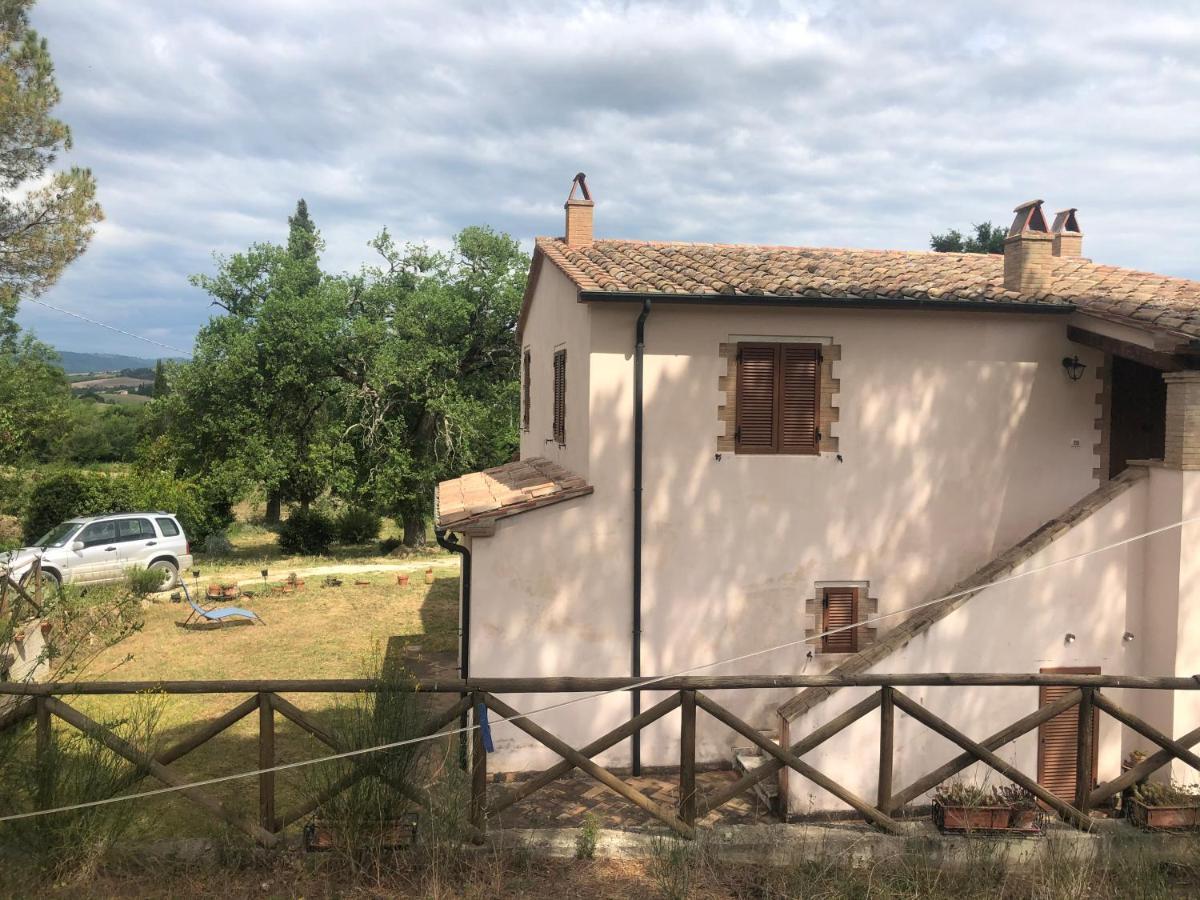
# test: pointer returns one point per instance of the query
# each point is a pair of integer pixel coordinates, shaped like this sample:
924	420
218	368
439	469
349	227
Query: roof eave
830	302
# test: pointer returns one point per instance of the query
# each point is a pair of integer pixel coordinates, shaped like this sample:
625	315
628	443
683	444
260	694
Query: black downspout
635	696
464	628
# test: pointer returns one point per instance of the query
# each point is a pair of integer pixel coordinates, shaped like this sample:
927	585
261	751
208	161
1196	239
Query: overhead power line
640	685
84	318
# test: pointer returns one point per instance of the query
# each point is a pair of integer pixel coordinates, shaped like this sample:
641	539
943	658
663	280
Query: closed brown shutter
526	389
840	608
800	373
560	396
757	404
1058	739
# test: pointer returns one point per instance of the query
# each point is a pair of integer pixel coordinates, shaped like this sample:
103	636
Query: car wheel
169	572
51	583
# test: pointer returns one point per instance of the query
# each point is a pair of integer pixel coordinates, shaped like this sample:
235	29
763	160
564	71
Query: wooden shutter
1058	739
526	390
560	396
840	608
757	401
800	374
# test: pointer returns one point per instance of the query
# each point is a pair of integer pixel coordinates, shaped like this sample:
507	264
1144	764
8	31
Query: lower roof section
473	502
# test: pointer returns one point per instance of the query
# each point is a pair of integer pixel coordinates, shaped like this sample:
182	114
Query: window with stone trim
839	610
754	384
778	398
560	397
832	605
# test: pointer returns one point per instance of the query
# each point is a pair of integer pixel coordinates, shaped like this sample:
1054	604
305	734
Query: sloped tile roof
741	270
506	490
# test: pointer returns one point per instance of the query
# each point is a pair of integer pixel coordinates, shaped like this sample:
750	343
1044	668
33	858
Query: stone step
766	790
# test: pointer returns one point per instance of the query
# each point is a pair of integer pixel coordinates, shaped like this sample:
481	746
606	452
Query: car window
167	527
57	536
134	529
99	533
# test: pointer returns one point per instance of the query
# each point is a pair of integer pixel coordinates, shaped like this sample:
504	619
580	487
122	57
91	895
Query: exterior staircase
747	758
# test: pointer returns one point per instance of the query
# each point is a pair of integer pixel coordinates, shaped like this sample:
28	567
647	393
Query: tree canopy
987	238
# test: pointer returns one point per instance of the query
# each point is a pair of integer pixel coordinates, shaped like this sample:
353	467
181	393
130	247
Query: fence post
887	730
478	764
1084	775
687	757
266	760
44	748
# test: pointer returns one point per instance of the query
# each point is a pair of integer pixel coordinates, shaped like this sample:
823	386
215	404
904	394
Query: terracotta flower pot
402	580
429	576
46	626
1165	818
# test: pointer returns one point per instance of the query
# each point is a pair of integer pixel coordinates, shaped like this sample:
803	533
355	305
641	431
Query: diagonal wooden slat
124	749
599	745
792	761
811	741
948	731
601	774
208	732
1145	729
994	742
1146	767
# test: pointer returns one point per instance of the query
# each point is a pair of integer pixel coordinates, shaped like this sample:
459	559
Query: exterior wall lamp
1069	638
1073	367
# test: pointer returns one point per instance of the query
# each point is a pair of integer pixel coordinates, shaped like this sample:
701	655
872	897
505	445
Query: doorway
1058	738
1138	418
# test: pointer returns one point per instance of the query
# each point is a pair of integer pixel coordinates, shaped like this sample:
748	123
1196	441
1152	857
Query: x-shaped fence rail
686	694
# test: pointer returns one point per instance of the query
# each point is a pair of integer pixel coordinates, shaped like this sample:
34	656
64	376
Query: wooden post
37	584
266	760
44	748
1084	775
478	765
887	718
687	757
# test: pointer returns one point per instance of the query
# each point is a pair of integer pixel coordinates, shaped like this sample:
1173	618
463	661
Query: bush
218	544
63	495
10	533
356	525
143	582
306	533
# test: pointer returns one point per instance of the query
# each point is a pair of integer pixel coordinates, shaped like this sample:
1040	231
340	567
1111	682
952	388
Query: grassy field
318	631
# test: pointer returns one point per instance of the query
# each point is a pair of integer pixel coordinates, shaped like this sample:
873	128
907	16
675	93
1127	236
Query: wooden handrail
567	685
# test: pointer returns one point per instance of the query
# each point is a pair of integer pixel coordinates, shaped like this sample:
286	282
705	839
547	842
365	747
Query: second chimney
1027	250
1068	239
579	214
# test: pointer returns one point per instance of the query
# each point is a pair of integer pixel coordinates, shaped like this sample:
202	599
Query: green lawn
316	632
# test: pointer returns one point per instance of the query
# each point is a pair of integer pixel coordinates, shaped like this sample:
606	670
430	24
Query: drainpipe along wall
635	696
450	542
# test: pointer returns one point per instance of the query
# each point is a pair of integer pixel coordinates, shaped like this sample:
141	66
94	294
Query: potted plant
962	808
1135	758
1170	806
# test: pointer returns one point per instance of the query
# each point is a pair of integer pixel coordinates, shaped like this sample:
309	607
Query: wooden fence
477	695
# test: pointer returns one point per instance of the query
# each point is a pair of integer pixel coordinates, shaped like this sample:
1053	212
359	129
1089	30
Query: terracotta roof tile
506	490
744	270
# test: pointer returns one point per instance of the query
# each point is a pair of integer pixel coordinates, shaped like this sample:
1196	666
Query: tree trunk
414	529
304	503
273	508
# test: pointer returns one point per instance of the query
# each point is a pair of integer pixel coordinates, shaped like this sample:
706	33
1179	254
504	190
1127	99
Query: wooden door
1058	739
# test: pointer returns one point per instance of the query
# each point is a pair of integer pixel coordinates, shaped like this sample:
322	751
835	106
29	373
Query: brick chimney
579	213
1068	239
1027	250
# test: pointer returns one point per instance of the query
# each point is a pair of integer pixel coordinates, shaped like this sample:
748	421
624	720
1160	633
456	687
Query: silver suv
104	548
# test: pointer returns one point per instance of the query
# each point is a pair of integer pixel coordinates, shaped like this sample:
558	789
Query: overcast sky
827	124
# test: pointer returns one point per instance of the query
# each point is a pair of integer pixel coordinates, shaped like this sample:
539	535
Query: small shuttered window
526	390
1058	739
560	396
778	398
839	609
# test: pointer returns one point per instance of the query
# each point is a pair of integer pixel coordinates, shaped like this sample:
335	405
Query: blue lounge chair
217	615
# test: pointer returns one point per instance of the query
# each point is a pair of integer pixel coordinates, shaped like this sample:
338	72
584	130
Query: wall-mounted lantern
1069	638
1127	637
1073	367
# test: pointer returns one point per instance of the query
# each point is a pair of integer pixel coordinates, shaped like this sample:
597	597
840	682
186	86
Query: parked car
99	549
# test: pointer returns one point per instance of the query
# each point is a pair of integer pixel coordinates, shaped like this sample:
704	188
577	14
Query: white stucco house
796	439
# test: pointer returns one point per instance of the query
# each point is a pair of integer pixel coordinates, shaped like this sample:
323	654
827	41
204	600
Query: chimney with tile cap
579	214
1068	239
1027	250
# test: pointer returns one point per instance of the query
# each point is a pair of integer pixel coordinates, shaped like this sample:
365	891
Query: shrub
10	533
585	840
307	533
356	525
218	544
63	495
143	582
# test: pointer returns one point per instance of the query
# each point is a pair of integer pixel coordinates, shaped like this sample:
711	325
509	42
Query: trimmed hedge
70	493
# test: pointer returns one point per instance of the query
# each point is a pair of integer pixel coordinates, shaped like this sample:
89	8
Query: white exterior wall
959	435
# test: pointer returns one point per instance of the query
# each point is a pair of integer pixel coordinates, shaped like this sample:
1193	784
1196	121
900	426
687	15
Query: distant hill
74	363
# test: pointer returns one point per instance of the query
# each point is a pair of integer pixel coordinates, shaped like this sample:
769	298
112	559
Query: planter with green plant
1166	807
961	808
